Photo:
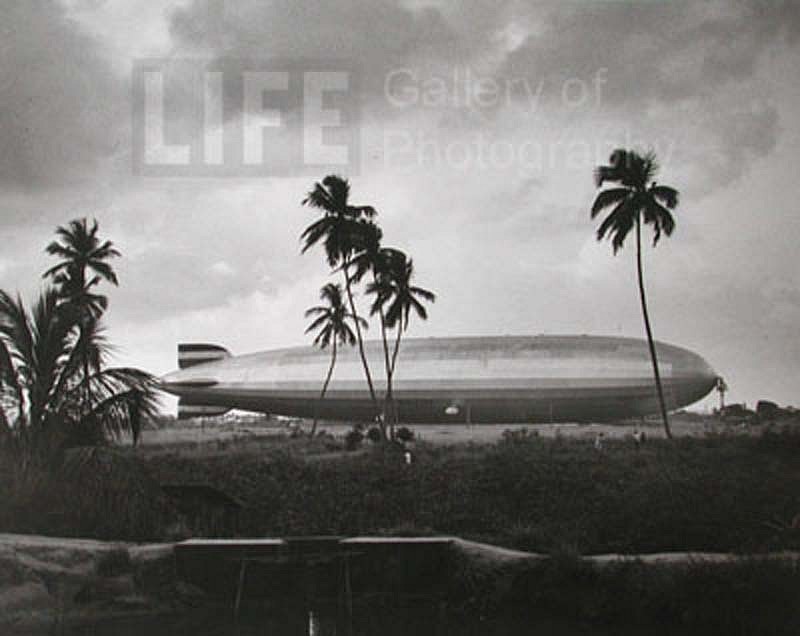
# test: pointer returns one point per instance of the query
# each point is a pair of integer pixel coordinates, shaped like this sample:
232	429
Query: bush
404	434
519	435
353	440
374	435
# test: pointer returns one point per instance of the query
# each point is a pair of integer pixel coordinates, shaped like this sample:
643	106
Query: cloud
376	35
63	109
659	51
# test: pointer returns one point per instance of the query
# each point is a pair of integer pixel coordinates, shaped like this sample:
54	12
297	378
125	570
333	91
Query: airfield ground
203	436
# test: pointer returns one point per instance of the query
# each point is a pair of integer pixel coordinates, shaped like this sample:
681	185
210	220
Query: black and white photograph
399	317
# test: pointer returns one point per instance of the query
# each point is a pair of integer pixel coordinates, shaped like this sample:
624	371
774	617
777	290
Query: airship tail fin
190	354
187	410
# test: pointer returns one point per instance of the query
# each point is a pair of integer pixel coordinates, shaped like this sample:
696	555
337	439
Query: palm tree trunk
86	387
396	345
649	331
387	400
395	418
324	387
359	337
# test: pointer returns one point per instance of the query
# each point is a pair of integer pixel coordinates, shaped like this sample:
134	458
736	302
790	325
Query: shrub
353	440
519	435
374	435
405	434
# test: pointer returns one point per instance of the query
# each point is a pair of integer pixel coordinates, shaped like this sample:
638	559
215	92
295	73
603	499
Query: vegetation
352	241
55	389
758	596
637	199
545	495
332	322
342	229
395	297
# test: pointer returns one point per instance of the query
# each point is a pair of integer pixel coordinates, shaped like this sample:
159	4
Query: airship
472	380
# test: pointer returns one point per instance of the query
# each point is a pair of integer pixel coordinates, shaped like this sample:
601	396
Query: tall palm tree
82	254
42	394
332	323
396	297
342	230
378	260
637	199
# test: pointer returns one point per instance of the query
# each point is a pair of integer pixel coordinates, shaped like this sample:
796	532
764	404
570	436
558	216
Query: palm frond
320	198
321	320
15	325
615	171
124	412
619	223
621	231
323	338
105	271
315	232
650	166
54	248
104	251
315	311
659	217
607	198
427	295
339	189
362	211
9	378
666	196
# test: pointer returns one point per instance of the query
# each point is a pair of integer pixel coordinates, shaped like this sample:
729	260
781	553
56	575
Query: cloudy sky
478	125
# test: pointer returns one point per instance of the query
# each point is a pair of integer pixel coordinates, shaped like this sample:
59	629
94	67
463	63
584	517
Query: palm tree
395	298
82	252
637	199
42	397
342	229
332	320
378	261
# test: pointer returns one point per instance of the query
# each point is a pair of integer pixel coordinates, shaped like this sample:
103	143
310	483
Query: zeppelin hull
475	380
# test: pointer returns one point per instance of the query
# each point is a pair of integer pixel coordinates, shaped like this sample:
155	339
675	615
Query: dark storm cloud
376	35
654	51
690	68
61	106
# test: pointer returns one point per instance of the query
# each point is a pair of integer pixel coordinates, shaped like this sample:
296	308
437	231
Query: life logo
244	118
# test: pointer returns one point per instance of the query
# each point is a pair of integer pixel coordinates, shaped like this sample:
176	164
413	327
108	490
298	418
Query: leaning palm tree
42	397
637	199
342	230
332	323
395	298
